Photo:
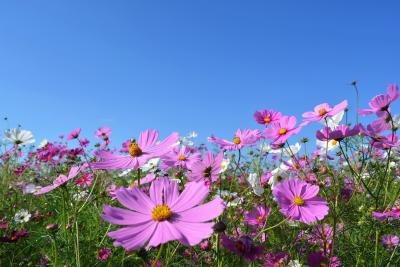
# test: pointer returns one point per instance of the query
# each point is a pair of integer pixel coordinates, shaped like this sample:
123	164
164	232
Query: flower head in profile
62	179
147	147
207	169
255	183
74	134
339	133
381	103
163	216
298	200
267	117
19	137
323	111
241	139
244	247
280	131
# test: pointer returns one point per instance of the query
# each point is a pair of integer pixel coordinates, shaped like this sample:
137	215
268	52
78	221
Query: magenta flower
317	259
390	241
62	179
266	117
164	216
146	148
340	132
298	200
382	102
257	216
243	247
282	130
276	259
180	157
74	134
207	169
85	180
241	139
103	133
103	254
323	111
387	215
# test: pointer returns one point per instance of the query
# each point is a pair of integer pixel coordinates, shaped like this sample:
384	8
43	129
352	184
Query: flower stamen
161	213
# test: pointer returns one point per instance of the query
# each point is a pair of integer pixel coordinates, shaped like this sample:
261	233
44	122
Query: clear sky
187	65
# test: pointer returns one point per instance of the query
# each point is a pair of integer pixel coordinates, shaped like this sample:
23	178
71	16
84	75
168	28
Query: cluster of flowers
175	191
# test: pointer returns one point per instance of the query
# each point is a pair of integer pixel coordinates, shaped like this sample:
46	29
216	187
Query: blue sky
187	65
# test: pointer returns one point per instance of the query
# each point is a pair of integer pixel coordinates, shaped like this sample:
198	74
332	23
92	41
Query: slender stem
160	250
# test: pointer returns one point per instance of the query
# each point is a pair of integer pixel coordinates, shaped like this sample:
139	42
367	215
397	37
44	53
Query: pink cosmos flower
340	132
103	254
241	139
62	179
387	215
244	247
390	241
180	157
207	169
85	180
257	216
298	200
323	111
146	148
276	259
74	134
267	117
382	102
317	259
282	130
164	216
103	133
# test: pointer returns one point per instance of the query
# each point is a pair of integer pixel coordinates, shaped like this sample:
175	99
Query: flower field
261	197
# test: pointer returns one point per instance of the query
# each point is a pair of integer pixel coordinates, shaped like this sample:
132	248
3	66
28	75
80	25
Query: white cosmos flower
334	120
255	183
224	165
152	164
266	148
279	174
43	143
294	263
19	137
331	145
22	216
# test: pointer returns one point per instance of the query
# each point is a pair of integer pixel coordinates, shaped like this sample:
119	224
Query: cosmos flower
103	133
382	102
206	169
241	139
317	259
323	111
255	183
164	216
19	137
390	241
22	216
299	201
180	157
146	148
267	117
244	247
103	254
280	131
278	175
74	134
338	134
257	216
62	179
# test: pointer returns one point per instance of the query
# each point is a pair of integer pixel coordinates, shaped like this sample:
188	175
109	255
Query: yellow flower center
334	142
299	201
236	140
322	112
161	213
182	158
259	219
282	131
267	119
134	150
